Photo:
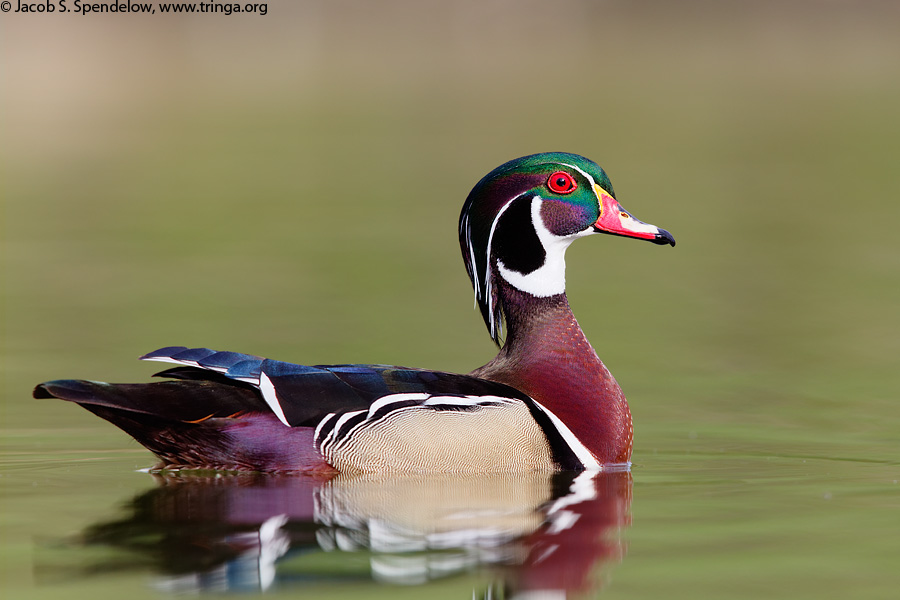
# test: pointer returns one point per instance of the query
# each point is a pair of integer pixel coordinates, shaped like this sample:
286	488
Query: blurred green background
289	185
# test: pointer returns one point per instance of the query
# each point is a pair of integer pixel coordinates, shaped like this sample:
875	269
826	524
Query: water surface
707	522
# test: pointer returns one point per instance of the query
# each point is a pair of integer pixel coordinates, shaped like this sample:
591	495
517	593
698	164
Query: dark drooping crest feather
487	202
483	208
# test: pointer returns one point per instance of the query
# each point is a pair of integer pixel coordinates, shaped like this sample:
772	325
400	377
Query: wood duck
545	402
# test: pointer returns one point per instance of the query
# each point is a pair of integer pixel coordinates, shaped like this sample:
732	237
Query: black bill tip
664	237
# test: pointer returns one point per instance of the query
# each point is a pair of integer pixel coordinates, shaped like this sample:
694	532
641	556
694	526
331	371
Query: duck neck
547	356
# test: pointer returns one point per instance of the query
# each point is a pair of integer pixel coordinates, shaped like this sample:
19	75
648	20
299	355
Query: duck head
519	219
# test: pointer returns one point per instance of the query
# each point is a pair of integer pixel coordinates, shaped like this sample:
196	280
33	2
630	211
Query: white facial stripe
487	274
473	265
550	278
594	186
585	173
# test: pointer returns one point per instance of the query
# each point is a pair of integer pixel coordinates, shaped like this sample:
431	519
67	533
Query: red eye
561	183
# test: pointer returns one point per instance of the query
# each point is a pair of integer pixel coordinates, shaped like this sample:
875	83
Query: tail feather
196	424
180	400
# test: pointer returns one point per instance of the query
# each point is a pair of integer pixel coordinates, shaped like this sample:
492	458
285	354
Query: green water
289	186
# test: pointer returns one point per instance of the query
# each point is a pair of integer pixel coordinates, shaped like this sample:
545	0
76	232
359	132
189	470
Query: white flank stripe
385	400
321	424
325	444
341	434
336	436
584	455
346	417
271	398
468	401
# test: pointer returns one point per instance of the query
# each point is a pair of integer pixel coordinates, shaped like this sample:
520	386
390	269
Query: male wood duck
545	402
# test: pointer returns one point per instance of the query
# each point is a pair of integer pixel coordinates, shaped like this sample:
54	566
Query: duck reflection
531	532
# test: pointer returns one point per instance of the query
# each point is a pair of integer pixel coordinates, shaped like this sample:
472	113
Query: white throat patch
550	278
